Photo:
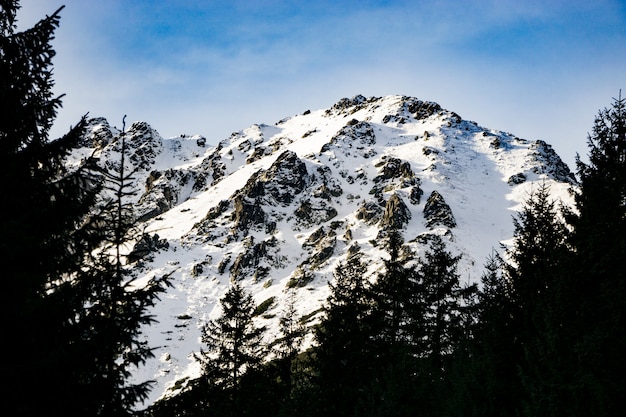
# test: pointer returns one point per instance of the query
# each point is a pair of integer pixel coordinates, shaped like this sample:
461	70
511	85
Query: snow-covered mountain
278	206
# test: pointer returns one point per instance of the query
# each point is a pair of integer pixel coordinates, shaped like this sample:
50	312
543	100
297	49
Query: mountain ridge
276	207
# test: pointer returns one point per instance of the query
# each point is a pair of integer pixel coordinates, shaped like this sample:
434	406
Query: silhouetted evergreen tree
43	236
232	360
288	346
440	328
115	303
596	292
445	301
486	376
529	302
396	319
343	355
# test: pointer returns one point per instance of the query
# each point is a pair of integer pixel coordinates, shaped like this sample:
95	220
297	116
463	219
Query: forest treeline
543	334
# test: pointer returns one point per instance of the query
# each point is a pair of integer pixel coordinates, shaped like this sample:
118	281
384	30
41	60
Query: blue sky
538	69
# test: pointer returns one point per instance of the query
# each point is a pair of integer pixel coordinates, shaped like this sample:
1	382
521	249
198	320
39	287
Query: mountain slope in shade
278	206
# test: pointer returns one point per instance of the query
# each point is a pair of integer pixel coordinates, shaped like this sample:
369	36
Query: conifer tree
343	355
445	301
535	271
597	288
397	311
43	236
487	376
291	334
233	349
439	330
115	305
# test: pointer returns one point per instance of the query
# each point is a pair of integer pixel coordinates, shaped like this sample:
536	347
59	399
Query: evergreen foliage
344	350
70	308
231	362
115	305
43	236
596	293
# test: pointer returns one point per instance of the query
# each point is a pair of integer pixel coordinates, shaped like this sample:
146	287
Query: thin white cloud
538	69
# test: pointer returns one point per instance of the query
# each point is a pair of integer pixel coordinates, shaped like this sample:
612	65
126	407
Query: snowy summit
276	207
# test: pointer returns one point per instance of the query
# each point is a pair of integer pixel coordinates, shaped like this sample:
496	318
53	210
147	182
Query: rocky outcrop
348	106
396	214
547	161
247	214
515	179
281	183
255	261
370	212
143	145
147	245
213	165
391	168
258	153
437	212
315	238
415	195
98	133
330	186
395	174
308	214
412	108
164	190
355	136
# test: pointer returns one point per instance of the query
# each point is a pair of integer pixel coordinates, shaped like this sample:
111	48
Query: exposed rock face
258	153
370	212
396	174
416	195
247	214
164	190
348	106
286	178
437	212
99	133
412	108
355	136
256	261
281	183
143	145
548	162
330	185
396	214
315	238
516	179
309	214
147	245
393	168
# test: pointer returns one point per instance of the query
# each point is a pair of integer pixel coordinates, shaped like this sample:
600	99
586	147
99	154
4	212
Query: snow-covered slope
278	206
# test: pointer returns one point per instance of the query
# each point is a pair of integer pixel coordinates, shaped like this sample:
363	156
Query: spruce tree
291	334
397	311
535	271
233	351
115	305
596	292
445	300
487	376
440	329
343	352
43	236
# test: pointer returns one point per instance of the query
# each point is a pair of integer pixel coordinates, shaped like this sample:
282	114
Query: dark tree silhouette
233	350
43	237
596	291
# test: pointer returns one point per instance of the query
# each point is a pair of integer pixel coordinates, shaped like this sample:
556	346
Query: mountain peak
276	207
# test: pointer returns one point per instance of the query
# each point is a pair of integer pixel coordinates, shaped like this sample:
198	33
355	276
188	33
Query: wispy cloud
538	69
